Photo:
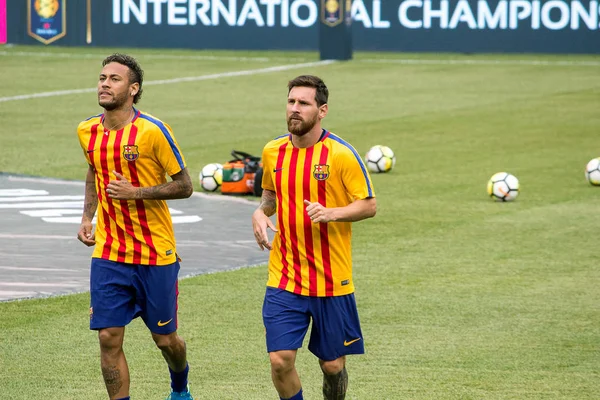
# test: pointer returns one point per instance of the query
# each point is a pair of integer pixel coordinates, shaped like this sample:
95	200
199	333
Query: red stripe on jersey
137	244
308	239
323	229
284	271
121	251
141	209
292	221
106	217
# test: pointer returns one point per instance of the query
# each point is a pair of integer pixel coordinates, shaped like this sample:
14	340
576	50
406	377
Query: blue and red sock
297	396
179	380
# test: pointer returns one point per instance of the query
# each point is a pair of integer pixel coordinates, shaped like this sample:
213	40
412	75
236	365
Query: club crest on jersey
321	172
130	152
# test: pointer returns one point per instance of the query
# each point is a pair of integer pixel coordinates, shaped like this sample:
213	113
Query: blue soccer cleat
180	395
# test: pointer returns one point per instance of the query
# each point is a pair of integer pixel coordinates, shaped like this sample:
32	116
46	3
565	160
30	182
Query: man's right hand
85	234
260	223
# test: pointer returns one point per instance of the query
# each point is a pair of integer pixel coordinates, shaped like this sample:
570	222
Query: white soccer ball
380	159
503	186
592	171
211	177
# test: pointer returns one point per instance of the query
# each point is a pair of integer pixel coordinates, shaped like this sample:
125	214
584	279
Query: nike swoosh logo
160	323
278	170
91	151
348	343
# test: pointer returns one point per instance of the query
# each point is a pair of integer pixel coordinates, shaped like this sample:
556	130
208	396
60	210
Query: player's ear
323	110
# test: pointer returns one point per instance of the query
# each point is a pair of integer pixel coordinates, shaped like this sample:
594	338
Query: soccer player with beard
134	266
317	184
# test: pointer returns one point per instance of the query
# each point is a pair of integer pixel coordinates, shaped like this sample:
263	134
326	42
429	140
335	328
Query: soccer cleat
180	395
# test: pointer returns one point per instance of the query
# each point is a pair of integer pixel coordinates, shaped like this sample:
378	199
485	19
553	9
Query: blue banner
470	26
46	20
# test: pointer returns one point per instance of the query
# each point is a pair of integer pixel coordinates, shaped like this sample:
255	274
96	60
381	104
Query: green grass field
460	297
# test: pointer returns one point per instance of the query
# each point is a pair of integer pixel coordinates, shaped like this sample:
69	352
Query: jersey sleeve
83	143
355	175
167	150
267	178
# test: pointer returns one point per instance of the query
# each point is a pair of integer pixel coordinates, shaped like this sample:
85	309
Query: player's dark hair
136	73
322	94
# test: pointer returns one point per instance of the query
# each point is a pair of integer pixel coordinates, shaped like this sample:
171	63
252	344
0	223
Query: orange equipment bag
239	173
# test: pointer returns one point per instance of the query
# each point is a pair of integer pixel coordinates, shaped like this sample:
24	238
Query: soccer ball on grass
503	186
592	171
211	177
380	159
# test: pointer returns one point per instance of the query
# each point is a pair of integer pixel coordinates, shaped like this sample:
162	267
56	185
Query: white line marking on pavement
13	294
22	192
50	181
225	198
38	198
21	236
38	269
40	284
65	204
247	72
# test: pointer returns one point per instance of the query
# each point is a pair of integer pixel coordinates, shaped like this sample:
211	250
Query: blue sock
124	398
179	380
297	396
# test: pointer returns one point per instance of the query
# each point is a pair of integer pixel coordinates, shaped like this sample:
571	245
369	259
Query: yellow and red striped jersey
313	259
132	231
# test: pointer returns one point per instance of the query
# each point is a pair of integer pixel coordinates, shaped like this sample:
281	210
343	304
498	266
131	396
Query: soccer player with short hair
317	184
134	266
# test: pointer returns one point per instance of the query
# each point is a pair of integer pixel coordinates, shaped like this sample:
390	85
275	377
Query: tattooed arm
179	188
90	204
261	221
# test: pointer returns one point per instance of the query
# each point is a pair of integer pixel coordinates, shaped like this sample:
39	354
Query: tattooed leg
335	386
113	363
112	380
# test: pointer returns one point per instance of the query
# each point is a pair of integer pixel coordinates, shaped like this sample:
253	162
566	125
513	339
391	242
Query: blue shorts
121	292
335	326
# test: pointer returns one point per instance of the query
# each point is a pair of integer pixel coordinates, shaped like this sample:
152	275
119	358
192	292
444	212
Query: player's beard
302	128
117	102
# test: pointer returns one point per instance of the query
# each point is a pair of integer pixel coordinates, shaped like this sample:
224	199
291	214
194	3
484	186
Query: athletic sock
297	396
179	380
124	398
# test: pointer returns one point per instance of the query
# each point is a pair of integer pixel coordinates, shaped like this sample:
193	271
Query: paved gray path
41	256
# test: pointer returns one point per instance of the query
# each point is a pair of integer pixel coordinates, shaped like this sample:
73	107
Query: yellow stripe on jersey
132	231
313	259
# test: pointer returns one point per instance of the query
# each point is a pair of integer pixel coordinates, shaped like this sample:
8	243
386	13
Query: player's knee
333	367
111	340
281	362
165	342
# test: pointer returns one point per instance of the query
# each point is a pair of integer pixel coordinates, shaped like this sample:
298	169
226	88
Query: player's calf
335	386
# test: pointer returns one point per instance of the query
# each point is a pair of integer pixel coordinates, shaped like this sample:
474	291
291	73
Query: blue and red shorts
335	325
121	292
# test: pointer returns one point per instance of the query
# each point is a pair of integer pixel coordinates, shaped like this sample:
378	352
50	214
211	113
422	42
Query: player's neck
117	119
309	139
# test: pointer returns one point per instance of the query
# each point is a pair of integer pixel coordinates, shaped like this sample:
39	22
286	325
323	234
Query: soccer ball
380	159
592	171
211	177
503	186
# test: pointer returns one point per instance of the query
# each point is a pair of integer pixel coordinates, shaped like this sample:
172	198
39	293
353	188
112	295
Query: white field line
184	57
408	61
231	74
543	63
